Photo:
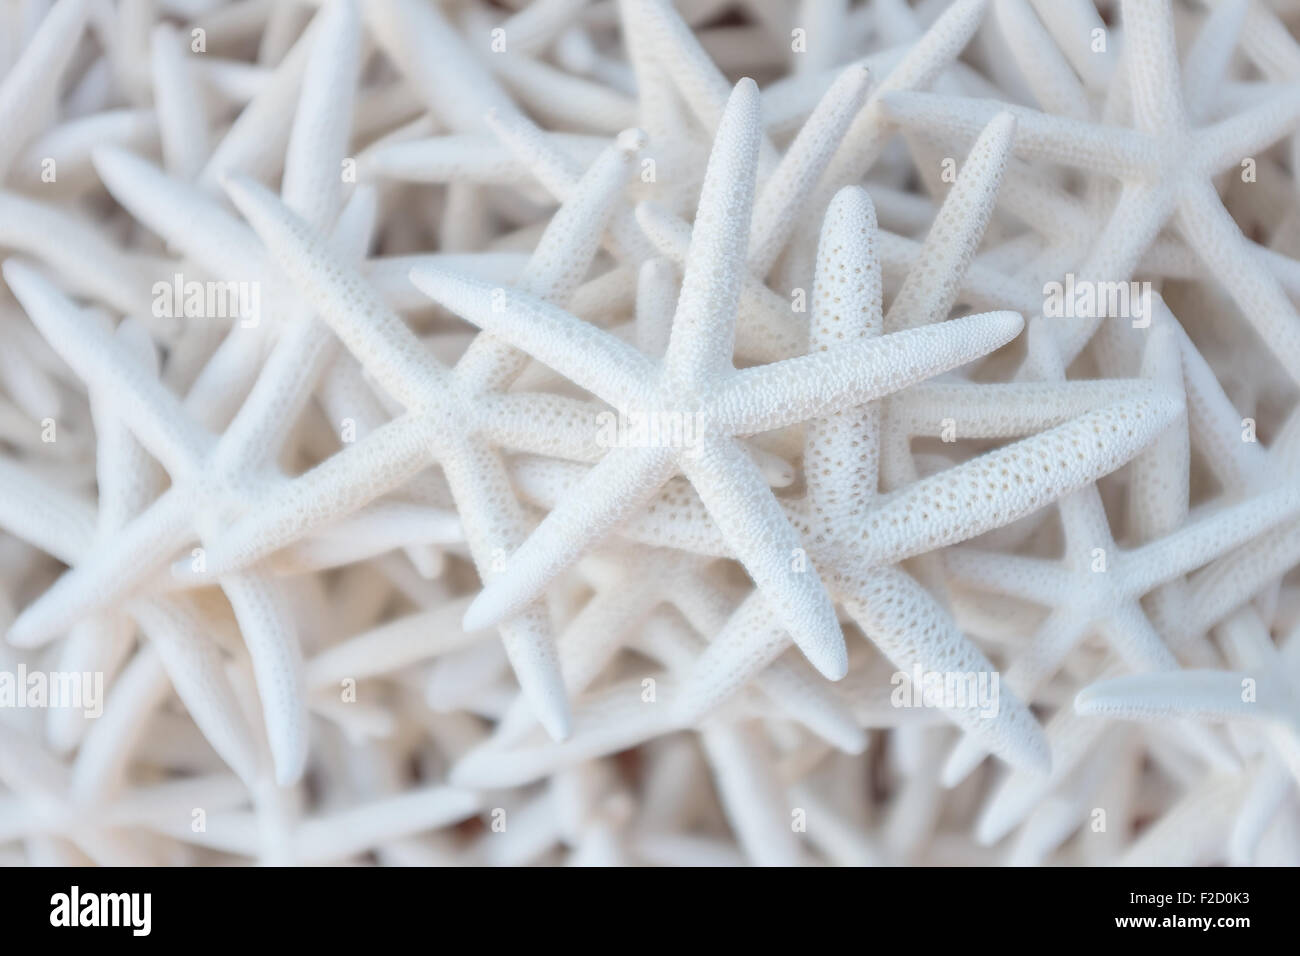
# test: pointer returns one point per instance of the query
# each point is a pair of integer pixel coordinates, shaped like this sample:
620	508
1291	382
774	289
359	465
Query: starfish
696	385
1165	167
445	421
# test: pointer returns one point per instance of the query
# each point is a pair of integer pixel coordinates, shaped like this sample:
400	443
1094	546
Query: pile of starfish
634	432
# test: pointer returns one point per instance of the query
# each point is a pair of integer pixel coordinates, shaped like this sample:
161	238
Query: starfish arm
1205	68
345	834
749	641
1032	472
270	635
390	647
318	140
656	300
1109	150
374	530
1071	738
814	385
1214	423
914	632
108	573
1211	537
787	190
674	518
572	237
1248	133
1084	524
924	61
704	325
616	487
530	647
197	671
1129	632
495	526
304	349
1209	229
183	122
151	411
586	355
604	722
1050	645
1204	694
1154	75
767	328
254	143
1049	75
51	519
752	797
558	161
374	334
541	424
438	61
1159	493
475	158
756	528
701	84
841	453
981	287
932	286
337	487
1072	25
45	56
189	219
1006	410
1237	577
1268	793
562	259
802	693
1011	575
60	239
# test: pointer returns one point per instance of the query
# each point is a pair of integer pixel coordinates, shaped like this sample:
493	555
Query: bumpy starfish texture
601	416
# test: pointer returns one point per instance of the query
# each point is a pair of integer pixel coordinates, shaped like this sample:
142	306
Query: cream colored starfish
695	384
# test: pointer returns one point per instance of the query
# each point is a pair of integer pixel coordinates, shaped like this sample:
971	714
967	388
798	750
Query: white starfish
695	384
1165	167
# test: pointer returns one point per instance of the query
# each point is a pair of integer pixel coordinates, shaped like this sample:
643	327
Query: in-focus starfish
696	385
451	415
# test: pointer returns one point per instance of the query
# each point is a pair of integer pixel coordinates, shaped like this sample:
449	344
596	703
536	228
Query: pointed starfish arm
108	365
611	491
341	297
949	507
561	261
541	424
932	285
1006	409
601	363
270	635
1210	537
1217	238
1205	694
812	386
108	573
530	647
704	325
337	487
1250	132
756	528
916	634
776	212
1111	150
1153	74
750	640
